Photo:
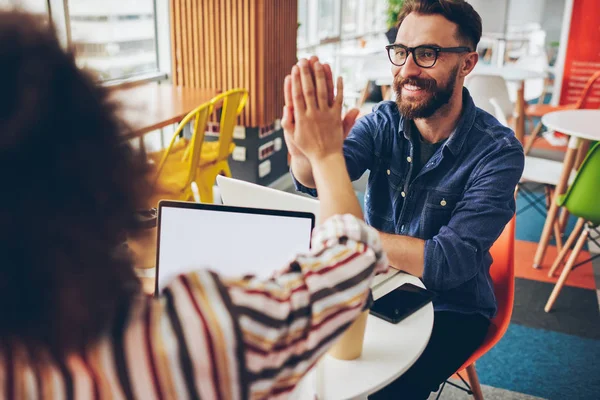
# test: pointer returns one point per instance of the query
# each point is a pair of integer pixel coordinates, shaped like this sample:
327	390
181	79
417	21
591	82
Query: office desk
151	106
389	351
578	124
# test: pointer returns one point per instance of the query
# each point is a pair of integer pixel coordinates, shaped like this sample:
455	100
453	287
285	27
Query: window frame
58	11
312	26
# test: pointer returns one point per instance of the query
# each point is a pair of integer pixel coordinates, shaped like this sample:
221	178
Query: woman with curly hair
74	322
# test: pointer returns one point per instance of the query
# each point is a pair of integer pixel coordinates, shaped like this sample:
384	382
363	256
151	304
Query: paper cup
350	344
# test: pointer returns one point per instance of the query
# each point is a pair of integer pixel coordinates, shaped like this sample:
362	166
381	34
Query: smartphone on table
401	302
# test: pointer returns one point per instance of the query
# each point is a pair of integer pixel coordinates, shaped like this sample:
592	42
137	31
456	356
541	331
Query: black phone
401	302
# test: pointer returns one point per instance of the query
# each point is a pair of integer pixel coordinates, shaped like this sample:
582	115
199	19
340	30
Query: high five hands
312	115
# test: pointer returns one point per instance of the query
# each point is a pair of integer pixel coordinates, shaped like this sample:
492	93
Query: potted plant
393	10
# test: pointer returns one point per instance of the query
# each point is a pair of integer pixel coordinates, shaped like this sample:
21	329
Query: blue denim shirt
458	203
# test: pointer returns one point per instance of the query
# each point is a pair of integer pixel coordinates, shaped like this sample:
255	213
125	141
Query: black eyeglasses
423	56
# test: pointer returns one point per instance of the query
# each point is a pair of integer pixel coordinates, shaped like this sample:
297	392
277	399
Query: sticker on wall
239	154
264	169
239	132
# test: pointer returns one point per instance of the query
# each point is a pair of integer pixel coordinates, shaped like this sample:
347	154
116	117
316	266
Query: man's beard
425	109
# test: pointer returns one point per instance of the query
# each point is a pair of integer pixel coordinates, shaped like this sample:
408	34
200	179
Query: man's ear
469	63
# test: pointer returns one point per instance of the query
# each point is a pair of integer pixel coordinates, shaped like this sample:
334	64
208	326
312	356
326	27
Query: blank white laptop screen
232	241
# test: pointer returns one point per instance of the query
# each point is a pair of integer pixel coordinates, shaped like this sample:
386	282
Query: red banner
583	54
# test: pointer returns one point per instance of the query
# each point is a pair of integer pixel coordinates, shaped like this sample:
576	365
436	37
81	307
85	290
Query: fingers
349	120
329	79
287	90
297	96
287	122
308	86
288	109
339	97
323	101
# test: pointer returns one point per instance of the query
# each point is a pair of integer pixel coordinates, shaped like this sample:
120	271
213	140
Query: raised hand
318	128
288	122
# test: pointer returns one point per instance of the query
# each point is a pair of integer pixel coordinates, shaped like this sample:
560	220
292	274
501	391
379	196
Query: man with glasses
442	179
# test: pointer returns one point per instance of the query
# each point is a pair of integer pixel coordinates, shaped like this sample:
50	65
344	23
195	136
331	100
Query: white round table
509	73
578	124
583	124
389	350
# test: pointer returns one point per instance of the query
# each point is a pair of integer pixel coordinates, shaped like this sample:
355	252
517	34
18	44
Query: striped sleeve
289	321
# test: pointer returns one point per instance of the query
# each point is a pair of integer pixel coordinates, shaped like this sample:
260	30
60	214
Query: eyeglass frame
437	49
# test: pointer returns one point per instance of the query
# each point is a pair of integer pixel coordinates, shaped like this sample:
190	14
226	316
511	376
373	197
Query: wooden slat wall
223	44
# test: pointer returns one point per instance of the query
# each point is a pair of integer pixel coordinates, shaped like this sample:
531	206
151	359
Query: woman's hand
288	120
318	130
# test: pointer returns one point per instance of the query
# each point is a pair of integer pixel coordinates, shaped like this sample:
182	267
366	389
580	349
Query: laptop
235	192
233	241
245	194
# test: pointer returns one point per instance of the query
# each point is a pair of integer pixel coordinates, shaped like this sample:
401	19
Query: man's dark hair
71	186
458	11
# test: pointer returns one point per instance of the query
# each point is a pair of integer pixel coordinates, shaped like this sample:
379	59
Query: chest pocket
384	183
436	213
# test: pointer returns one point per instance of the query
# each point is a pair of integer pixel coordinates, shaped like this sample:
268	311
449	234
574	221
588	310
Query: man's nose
410	68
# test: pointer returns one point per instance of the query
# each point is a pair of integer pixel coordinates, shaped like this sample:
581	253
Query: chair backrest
581	198
233	102
581	102
200	115
498	112
502	271
485	87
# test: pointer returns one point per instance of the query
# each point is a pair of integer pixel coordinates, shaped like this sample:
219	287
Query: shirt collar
459	135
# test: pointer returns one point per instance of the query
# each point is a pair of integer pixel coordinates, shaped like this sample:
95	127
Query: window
118	39
34	6
332	21
350	18
115	38
302	39
329	21
334	29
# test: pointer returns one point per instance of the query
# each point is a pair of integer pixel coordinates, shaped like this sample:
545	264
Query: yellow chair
176	169
215	155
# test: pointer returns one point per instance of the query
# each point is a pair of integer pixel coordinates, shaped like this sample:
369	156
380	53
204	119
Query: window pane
116	38
302	39
33	6
328	23
350	18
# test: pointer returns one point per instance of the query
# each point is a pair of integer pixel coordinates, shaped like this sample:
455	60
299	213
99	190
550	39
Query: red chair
539	110
503	275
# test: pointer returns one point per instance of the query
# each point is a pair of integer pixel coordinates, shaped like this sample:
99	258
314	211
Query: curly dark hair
71	188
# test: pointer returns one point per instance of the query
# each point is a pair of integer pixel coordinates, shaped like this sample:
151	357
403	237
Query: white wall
492	14
552	19
522	12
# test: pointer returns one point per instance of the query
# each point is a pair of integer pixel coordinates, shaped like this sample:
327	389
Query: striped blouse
213	337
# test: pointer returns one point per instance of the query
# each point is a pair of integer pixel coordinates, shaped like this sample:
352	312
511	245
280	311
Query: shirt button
403	194
409	159
443	203
388	172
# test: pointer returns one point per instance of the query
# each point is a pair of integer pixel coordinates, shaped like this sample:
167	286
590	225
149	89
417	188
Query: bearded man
442	179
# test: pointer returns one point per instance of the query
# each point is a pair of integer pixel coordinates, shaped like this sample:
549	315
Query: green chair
582	201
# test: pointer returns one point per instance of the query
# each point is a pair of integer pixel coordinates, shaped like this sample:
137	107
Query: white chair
486	87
